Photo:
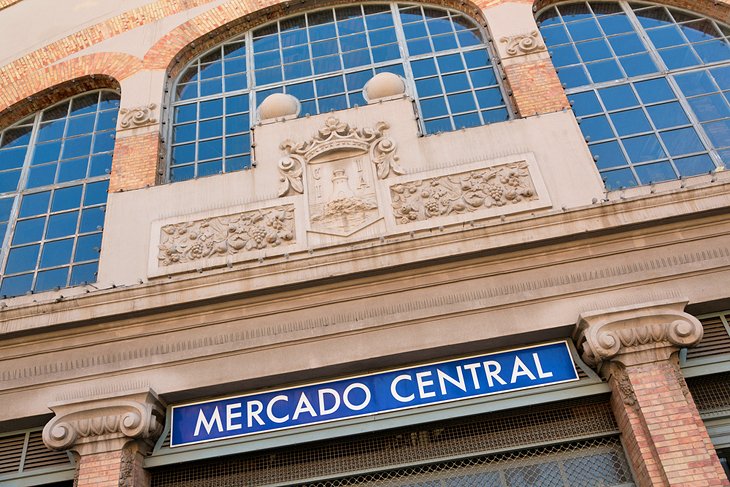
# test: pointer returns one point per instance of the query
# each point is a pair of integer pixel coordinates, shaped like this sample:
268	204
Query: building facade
473	243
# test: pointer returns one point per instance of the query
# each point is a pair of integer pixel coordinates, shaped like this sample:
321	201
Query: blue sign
373	393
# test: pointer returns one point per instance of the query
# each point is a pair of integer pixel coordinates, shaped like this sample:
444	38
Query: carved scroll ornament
523	43
637	335
335	135
107	424
502	185
137	116
226	235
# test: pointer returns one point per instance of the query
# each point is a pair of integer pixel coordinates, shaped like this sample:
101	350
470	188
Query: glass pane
644	148
630	122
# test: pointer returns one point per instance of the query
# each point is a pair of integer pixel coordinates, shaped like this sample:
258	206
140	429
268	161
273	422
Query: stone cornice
24	315
636	335
106	424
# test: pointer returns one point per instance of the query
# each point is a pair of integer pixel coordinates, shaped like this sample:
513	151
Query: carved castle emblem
337	170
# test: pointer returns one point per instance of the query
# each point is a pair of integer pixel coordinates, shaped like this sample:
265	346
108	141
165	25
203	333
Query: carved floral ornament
636	335
226	235
137	116
502	185
523	43
337	135
105	424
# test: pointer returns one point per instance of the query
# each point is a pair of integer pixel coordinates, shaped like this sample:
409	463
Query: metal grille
22	452
716	339
711	393
480	435
11	452
598	462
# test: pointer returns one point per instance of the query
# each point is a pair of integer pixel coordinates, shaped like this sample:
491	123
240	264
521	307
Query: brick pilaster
535	87
135	162
110	435
635	349
113	469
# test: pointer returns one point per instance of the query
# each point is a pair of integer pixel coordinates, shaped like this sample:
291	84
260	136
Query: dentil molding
106	424
636	335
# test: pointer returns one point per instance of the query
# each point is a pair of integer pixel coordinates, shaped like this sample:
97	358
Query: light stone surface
295	288
278	105
510	20
560	173
67	17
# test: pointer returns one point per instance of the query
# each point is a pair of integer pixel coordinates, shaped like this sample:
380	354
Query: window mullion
644	36
699	128
406	63
20	190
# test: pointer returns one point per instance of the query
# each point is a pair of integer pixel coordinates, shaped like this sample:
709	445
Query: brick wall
99	470
665	437
135	162
536	88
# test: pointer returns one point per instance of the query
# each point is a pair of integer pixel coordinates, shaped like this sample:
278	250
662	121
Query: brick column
526	63
635	348
110	437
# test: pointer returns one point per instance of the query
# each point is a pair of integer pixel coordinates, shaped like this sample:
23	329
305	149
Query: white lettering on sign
364	403
323	410
394	391
215	419
384	391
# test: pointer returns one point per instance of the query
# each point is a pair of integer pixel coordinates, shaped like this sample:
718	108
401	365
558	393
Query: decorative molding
126	468
501	185
523	43
226	235
121	358
106	424
636	334
623	383
336	135
137	116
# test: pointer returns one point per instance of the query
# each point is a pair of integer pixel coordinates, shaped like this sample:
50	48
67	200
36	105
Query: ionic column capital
107	424
637	334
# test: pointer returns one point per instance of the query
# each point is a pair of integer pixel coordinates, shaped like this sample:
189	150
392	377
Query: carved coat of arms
337	170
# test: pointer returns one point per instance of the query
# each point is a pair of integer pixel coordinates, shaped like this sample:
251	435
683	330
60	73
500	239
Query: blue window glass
637	78
62	183
325	58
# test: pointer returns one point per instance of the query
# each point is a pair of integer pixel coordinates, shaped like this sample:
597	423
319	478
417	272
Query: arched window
54	176
648	85
324	58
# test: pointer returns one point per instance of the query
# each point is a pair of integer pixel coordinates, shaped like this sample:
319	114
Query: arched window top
54	172
324	58
649	85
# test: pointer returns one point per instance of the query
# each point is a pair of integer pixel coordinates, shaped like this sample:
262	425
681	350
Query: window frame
252	90
663	72
23	191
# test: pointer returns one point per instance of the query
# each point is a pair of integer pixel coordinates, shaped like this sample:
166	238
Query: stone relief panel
191	241
337	170
466	192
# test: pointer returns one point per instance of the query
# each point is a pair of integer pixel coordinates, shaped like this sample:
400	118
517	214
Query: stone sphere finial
279	105
384	85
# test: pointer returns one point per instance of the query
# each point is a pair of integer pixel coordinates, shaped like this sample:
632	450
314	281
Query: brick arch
715	9
217	25
42	87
